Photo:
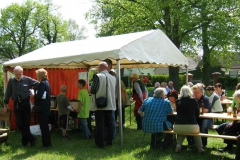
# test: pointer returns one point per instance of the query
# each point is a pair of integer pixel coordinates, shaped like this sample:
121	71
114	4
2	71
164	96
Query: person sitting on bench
186	118
232	129
154	111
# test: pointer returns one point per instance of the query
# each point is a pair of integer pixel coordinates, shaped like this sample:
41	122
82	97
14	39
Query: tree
18	26
74	32
218	33
26	27
182	21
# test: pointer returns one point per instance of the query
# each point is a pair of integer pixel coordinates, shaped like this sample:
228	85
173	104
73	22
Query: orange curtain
57	77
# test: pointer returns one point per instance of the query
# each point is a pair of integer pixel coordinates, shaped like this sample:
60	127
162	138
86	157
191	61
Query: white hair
236	94
159	92
18	68
186	92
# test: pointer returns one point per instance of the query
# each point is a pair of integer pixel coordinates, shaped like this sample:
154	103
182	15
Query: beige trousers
187	128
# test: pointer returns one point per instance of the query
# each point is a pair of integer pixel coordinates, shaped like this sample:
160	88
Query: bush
228	82
155	78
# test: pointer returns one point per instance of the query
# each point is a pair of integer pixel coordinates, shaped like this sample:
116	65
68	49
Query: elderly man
139	94
104	85
19	89
155	111
205	124
169	86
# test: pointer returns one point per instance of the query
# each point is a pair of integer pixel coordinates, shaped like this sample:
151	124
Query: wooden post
238	149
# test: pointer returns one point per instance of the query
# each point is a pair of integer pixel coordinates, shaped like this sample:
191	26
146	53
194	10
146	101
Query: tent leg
119	103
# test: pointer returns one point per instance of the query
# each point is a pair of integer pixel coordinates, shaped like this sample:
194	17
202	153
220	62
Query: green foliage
156	78
190	25
228	82
32	24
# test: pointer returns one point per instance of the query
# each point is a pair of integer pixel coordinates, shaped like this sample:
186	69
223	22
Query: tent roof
141	49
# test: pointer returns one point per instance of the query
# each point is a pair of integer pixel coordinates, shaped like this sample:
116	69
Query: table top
226	101
54	109
217	116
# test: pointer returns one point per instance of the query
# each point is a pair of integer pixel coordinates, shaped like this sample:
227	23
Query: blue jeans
205	124
83	125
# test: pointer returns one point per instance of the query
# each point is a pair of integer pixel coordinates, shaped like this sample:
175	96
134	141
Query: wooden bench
3	131
203	135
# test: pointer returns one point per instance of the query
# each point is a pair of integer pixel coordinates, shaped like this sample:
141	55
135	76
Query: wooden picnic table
217	116
210	115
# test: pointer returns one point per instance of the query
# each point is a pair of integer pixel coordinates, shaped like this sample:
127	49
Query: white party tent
135	50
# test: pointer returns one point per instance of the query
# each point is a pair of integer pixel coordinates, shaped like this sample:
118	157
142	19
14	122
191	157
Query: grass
79	149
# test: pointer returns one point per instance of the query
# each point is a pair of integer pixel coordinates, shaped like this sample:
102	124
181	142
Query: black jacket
39	90
187	111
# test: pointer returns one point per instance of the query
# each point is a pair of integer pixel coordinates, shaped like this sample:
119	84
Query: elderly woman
214	99
42	98
154	111
205	124
186	118
139	94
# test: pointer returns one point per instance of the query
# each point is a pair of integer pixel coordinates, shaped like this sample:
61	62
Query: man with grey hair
103	85
154	111
19	89
169	86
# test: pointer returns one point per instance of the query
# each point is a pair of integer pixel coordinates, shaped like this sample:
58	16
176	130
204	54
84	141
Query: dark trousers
156	139
103	118
43	122
234	130
139	121
22	116
238	149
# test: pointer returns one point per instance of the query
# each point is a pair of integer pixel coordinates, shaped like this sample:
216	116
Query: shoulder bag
101	101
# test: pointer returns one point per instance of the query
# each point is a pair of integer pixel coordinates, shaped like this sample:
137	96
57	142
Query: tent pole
119	103
186	75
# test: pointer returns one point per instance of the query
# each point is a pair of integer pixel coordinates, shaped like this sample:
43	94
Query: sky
73	9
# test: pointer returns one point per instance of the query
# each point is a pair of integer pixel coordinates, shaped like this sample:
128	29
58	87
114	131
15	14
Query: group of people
187	105
20	89
105	82
152	113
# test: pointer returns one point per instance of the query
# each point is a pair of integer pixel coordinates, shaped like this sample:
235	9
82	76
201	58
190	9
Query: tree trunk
206	52
173	76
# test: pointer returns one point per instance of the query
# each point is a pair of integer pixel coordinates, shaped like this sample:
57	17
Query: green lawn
78	149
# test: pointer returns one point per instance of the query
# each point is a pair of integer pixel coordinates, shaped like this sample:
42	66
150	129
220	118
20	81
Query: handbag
37	109
101	101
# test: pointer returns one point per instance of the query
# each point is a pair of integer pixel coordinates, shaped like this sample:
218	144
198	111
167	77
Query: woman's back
187	111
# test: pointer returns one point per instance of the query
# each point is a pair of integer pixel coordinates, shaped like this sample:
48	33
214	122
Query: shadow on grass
77	148
185	154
